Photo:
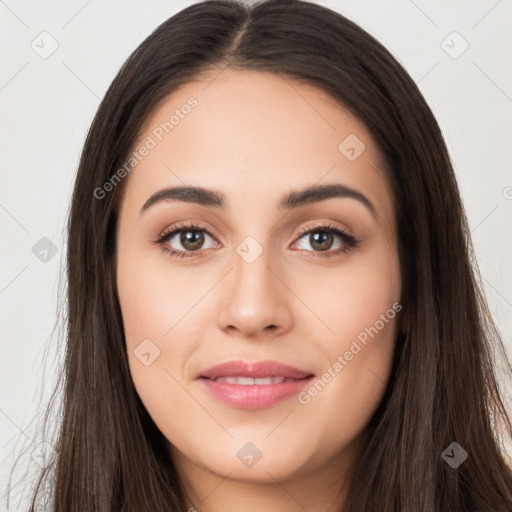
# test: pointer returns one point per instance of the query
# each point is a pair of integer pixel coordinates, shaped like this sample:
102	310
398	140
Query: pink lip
260	369
254	396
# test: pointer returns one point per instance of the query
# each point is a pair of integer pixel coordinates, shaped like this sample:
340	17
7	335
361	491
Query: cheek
351	298
344	398
165	315
156	300
359	305
154	309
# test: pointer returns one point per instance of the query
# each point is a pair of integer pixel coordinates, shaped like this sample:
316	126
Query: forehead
254	135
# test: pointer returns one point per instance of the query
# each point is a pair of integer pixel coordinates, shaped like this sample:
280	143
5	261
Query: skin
254	137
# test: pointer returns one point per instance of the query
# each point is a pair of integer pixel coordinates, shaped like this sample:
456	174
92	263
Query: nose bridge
252	255
252	279
253	299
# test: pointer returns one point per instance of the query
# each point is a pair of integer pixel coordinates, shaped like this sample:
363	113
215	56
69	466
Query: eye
191	238
321	239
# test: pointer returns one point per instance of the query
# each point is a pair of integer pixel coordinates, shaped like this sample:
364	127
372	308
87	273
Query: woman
272	297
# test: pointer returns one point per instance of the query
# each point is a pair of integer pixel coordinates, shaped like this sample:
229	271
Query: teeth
249	381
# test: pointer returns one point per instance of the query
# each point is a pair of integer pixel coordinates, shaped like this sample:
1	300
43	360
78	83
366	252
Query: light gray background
46	106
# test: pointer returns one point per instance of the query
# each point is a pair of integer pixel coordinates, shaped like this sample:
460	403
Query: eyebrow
295	199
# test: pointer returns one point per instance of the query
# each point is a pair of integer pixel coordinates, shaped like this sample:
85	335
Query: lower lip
254	396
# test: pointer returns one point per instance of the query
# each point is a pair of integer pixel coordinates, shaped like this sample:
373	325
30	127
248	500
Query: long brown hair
111	457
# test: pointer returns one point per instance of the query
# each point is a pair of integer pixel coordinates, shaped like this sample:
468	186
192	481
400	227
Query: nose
254	300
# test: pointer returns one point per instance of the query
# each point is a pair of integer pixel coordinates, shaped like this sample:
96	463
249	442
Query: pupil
322	239
192	239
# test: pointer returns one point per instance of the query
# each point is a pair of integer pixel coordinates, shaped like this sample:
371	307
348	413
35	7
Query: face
252	269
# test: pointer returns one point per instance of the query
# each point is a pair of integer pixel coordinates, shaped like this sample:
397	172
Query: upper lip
260	369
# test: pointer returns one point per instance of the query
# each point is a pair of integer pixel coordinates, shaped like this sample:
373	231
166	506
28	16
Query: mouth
250	381
254	385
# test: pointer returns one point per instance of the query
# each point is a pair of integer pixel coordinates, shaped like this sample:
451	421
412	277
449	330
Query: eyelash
350	241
